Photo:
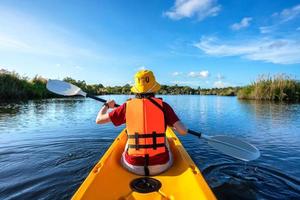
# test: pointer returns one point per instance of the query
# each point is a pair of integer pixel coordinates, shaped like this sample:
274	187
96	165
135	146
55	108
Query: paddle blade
234	147
64	88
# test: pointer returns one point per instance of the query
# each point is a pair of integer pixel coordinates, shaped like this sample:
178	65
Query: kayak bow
109	180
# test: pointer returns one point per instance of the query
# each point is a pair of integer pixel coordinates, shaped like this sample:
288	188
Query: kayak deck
109	180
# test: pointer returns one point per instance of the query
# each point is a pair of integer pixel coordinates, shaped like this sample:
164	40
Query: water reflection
265	109
48	144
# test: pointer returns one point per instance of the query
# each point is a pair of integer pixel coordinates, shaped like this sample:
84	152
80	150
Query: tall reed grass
280	87
14	87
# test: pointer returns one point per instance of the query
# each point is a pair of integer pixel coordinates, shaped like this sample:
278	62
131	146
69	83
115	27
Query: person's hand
111	103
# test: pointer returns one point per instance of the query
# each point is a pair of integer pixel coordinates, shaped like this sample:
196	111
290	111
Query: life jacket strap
154	140
145	146
136	136
146	135
146	164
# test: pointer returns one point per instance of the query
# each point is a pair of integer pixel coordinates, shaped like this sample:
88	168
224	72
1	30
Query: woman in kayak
147	151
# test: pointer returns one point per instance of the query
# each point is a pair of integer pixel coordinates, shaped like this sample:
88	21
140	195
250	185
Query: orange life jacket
145	125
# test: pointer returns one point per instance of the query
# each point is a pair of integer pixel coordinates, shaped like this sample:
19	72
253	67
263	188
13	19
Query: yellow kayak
109	180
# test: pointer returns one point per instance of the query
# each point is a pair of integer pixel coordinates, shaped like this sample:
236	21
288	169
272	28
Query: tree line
279	88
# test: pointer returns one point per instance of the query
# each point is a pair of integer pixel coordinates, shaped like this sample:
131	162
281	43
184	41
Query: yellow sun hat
145	82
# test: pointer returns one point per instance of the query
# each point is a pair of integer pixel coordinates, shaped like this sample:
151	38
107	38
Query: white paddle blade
64	88
234	147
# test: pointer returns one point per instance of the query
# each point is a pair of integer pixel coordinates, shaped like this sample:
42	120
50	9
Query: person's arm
180	128
103	116
173	121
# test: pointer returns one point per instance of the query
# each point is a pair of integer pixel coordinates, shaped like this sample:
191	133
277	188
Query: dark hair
144	95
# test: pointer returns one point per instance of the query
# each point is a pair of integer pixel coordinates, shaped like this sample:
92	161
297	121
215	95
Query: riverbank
13	87
277	88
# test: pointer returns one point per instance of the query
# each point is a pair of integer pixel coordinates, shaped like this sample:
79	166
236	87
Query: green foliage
173	90
95	89
13	87
228	91
277	88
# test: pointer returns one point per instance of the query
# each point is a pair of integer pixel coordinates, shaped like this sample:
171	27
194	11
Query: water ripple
235	180
48	147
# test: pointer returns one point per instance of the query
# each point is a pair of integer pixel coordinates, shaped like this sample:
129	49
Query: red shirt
118	117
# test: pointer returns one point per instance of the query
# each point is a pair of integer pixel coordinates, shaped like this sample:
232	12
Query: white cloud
192	74
204	74
266	29
245	22
176	73
190	8
219	84
201	74
278	51
184	83
281	18
288	13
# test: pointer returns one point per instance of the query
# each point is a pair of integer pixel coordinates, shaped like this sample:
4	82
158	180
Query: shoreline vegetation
280	87
13	87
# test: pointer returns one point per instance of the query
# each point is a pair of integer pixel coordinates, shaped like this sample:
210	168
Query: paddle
68	89
227	145
230	146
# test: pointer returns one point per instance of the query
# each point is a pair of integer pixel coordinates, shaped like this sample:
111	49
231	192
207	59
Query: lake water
48	147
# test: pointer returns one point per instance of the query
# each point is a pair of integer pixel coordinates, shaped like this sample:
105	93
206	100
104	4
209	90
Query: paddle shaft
194	133
99	99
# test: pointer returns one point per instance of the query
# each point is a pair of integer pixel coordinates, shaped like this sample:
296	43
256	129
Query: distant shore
13	87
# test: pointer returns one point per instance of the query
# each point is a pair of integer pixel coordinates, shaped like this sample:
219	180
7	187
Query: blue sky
206	43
